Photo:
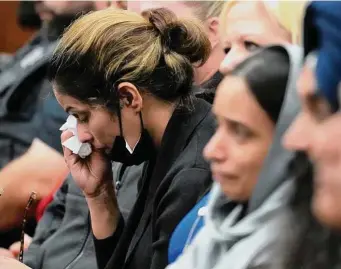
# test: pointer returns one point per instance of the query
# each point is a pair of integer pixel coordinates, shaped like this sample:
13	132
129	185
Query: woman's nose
296	137
232	58
83	134
214	150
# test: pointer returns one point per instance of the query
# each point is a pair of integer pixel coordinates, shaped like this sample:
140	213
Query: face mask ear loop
118	108
119	118
141	120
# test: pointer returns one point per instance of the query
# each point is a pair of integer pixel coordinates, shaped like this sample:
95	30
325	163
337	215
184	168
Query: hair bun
160	18
184	37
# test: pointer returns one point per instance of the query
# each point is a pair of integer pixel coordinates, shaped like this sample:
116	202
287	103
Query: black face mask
142	152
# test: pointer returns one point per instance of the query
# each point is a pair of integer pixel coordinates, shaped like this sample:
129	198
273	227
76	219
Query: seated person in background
316	132
238	20
27	15
30	117
250	25
252	185
27	18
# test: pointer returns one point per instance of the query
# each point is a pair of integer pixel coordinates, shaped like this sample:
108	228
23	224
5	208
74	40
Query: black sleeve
180	198
106	247
51	117
47	226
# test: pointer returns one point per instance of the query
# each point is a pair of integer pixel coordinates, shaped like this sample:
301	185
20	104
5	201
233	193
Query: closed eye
239	129
251	46
81	118
318	106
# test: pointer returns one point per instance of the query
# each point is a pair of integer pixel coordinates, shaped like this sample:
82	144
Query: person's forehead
176	6
249	10
306	84
251	19
233	92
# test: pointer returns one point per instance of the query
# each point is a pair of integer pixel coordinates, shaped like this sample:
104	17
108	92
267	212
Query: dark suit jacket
170	187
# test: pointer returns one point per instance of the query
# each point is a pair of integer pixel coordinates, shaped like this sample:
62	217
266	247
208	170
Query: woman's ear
130	96
212	25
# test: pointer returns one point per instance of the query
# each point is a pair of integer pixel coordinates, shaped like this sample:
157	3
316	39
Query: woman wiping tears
128	78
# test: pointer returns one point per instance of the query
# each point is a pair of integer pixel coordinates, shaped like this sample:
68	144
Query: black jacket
170	187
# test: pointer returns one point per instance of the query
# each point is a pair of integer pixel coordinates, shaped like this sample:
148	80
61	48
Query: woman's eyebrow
70	109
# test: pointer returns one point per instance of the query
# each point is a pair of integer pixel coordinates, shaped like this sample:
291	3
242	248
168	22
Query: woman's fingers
6	253
15	247
6	263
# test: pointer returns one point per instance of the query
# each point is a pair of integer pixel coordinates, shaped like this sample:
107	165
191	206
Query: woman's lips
223	177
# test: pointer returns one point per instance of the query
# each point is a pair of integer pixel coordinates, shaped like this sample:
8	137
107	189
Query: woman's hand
10	263
15	247
93	174
94	177
6	253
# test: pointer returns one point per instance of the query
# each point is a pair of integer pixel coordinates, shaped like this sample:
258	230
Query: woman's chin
326	210
233	193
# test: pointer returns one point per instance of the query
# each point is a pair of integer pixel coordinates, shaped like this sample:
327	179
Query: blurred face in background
248	25
317	132
240	144
49	9
179	8
99	5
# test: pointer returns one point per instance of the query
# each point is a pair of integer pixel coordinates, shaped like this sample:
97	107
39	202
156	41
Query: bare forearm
39	169
104	212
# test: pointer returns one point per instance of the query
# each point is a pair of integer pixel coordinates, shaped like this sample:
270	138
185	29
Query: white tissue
73	143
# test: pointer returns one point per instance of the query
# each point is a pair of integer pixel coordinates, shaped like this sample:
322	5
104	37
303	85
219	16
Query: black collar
207	90
178	133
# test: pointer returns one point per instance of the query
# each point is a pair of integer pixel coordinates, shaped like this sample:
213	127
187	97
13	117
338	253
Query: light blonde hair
155	52
289	15
205	9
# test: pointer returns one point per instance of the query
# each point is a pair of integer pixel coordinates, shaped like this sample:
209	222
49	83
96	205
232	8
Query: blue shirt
186	230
